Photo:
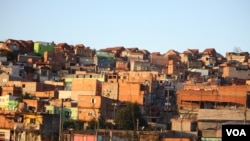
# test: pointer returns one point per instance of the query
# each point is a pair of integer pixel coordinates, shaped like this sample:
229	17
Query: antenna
237	50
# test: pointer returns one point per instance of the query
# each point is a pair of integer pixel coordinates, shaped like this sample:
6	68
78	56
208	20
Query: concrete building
121	64
240	57
209	57
68	79
208	60
210	126
133	54
117	51
177	68
234	72
26	87
139	65
34	126
158	59
110	90
4	78
85	61
28	59
189	55
186	125
82	51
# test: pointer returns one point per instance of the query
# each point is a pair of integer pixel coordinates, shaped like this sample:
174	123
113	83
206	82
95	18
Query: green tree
76	125
129	116
93	124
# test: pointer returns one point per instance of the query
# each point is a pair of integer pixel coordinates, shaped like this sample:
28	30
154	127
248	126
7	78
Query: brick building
212	97
131	92
92	107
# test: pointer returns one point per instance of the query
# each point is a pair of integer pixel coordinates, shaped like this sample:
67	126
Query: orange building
34	105
212	97
131	92
11	90
91	107
91	86
6	118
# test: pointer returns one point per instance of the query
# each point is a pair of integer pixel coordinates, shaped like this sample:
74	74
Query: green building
41	47
67	113
8	102
13	104
103	59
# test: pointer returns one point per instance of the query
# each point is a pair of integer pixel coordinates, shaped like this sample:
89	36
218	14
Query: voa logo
236	132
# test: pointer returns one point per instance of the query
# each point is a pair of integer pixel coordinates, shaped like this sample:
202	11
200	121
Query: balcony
26	127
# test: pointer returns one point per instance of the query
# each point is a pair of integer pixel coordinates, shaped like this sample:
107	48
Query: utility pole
137	124
245	110
168	105
60	122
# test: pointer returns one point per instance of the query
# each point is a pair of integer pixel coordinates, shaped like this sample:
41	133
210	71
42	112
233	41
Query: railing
22	126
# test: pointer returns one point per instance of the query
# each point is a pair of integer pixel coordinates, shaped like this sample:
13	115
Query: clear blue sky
158	25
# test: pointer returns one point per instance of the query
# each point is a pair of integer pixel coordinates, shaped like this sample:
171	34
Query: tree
76	125
127	117
92	124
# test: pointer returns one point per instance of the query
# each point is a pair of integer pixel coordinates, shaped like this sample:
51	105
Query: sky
157	26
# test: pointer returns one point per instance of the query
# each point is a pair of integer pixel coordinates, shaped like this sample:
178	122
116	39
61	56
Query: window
2	135
4	80
20	119
67	114
90	114
92	100
43	72
33	121
49	111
